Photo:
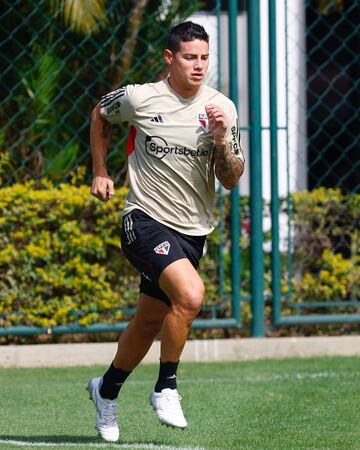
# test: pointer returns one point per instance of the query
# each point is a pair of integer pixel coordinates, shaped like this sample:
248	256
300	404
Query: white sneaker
106	412
168	408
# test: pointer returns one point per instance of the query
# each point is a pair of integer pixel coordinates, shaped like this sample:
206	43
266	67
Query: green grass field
269	404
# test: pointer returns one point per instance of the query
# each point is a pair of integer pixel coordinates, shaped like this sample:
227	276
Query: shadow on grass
82	440
53	439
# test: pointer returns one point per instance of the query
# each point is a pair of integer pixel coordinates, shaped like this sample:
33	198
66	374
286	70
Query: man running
182	134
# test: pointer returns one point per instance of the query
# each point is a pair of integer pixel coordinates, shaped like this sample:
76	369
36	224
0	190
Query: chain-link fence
320	114
332	79
57	62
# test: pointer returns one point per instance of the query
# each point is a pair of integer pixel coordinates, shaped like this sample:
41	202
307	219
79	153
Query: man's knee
190	298
184	287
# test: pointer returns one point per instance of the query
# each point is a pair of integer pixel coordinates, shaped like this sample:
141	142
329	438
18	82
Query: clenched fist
218	122
102	188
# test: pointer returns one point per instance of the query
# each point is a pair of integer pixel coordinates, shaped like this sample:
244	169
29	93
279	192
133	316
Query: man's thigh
148	245
159	252
181	282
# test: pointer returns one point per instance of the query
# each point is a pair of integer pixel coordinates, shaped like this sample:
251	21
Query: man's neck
183	92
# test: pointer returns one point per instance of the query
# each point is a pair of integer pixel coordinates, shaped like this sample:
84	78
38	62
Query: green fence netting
57	62
55	65
320	266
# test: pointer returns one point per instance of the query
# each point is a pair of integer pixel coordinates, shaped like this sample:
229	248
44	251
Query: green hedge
60	257
55	258
326	246
61	263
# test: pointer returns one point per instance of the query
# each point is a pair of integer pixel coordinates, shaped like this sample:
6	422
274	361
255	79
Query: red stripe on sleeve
130	145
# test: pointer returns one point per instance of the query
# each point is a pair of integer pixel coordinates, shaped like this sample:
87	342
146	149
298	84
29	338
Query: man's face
189	65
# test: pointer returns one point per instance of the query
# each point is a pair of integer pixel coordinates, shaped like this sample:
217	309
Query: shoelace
109	412
172	400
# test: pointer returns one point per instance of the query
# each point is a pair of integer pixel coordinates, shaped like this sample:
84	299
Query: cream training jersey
170	152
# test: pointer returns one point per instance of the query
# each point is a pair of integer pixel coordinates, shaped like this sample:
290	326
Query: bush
56	257
326	248
60	258
61	262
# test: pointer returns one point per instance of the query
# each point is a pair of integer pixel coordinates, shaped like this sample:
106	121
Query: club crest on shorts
204	121
163	248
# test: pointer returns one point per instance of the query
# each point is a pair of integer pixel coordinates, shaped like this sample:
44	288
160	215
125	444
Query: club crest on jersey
163	248
204	121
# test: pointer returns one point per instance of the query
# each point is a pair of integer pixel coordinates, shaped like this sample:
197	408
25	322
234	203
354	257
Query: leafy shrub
56	256
326	249
60	257
61	262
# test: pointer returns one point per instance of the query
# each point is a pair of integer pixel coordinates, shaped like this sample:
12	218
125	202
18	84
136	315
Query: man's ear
168	56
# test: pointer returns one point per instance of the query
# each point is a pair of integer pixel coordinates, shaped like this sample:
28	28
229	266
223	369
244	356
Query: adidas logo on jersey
163	248
157	119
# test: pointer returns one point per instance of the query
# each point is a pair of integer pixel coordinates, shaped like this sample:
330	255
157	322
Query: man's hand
228	168
218	123
102	188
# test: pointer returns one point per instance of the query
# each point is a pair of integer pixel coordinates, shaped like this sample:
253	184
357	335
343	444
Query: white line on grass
94	445
250	379
302	376
262	378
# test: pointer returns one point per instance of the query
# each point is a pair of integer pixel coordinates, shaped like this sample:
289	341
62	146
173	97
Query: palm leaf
82	16
57	166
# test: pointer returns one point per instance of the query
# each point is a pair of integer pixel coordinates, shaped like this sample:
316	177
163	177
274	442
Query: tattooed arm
100	132
228	168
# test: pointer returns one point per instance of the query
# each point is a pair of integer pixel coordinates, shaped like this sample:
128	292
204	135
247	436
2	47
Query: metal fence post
235	209
256	249
275	251
220	188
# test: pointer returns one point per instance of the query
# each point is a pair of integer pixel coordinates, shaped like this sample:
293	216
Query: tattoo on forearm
106	130
228	167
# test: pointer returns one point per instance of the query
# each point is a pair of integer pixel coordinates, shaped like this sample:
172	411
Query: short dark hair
186	32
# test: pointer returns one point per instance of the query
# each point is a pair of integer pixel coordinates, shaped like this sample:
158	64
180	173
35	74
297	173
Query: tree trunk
128	49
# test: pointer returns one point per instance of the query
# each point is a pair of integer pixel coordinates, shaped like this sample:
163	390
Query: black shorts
151	246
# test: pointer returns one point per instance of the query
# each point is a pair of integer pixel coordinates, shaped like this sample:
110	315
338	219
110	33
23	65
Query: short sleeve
118	106
233	135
